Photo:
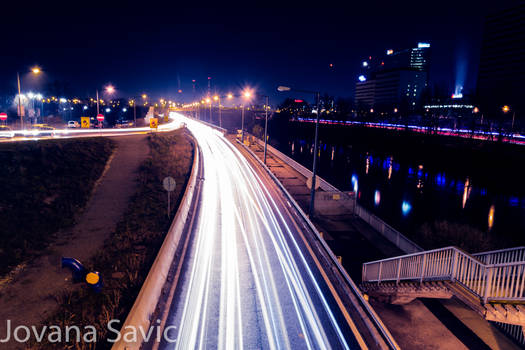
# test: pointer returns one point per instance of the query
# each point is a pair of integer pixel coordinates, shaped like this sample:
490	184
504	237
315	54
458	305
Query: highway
249	279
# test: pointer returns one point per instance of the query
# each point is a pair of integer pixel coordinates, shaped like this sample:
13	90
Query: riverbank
438	190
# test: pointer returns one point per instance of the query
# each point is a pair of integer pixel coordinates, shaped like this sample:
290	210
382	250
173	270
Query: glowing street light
144	96
35	71
246	94
475	110
505	109
229	96
110	89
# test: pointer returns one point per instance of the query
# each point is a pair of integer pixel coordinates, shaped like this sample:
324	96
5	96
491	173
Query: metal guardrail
370	312
394	236
390	233
140	314
490	282
501	256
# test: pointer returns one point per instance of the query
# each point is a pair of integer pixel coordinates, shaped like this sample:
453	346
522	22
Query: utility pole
20	102
266	127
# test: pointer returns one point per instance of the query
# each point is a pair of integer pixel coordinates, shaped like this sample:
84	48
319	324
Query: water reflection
406	207
377	197
466	192
491	216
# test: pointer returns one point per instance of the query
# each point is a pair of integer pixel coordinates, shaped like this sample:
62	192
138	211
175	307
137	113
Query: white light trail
249	284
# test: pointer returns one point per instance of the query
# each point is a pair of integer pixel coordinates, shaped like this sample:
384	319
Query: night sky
153	47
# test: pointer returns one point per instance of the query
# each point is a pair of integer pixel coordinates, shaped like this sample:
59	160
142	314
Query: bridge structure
491	283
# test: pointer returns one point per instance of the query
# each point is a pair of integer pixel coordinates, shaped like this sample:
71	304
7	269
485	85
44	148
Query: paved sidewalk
31	296
413	325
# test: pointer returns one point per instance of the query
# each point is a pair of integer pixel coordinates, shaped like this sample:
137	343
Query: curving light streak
249	284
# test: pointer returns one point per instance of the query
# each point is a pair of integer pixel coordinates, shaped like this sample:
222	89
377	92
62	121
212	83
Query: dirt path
30	297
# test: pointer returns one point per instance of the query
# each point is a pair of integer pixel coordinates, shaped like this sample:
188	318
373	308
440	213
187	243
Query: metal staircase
492	283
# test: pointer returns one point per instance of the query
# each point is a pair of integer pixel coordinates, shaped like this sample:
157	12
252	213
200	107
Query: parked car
6	132
73	124
123	124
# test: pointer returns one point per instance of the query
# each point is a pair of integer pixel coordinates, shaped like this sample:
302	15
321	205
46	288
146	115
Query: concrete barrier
140	315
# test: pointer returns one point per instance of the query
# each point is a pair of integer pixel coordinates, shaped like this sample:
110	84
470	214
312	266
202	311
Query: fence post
489	272
398	270
454	265
379	272
423	268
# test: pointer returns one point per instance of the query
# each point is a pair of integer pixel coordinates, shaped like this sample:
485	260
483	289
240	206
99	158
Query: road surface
250	280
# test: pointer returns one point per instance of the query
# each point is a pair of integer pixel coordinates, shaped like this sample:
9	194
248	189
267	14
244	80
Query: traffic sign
169	184
84	121
153	123
3	116
100	117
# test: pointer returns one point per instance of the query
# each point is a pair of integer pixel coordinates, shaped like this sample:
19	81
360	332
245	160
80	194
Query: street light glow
505	109
283	88
35	70
215	98
230	96
110	89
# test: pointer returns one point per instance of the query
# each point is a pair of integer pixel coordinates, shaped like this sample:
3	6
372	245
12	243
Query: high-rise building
501	74
394	81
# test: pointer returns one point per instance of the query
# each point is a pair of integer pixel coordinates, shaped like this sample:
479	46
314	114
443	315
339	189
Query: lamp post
35	71
266	126
246	95
314	168
218	99
208	101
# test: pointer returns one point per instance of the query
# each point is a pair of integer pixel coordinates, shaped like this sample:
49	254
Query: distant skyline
158	48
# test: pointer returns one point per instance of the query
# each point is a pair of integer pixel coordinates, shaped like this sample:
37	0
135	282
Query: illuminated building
396	80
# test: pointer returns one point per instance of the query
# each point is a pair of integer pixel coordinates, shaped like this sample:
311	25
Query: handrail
501	282
502	255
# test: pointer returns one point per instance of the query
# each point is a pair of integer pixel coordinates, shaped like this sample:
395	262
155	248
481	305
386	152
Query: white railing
390	233
490	282
502	256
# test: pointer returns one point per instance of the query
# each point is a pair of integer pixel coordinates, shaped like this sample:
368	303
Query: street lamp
35	71
109	89
246	94
314	168
218	99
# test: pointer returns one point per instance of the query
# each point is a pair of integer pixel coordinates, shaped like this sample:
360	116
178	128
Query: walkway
32	295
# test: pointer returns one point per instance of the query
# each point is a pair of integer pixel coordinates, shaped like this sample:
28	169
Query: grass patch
43	184
127	256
